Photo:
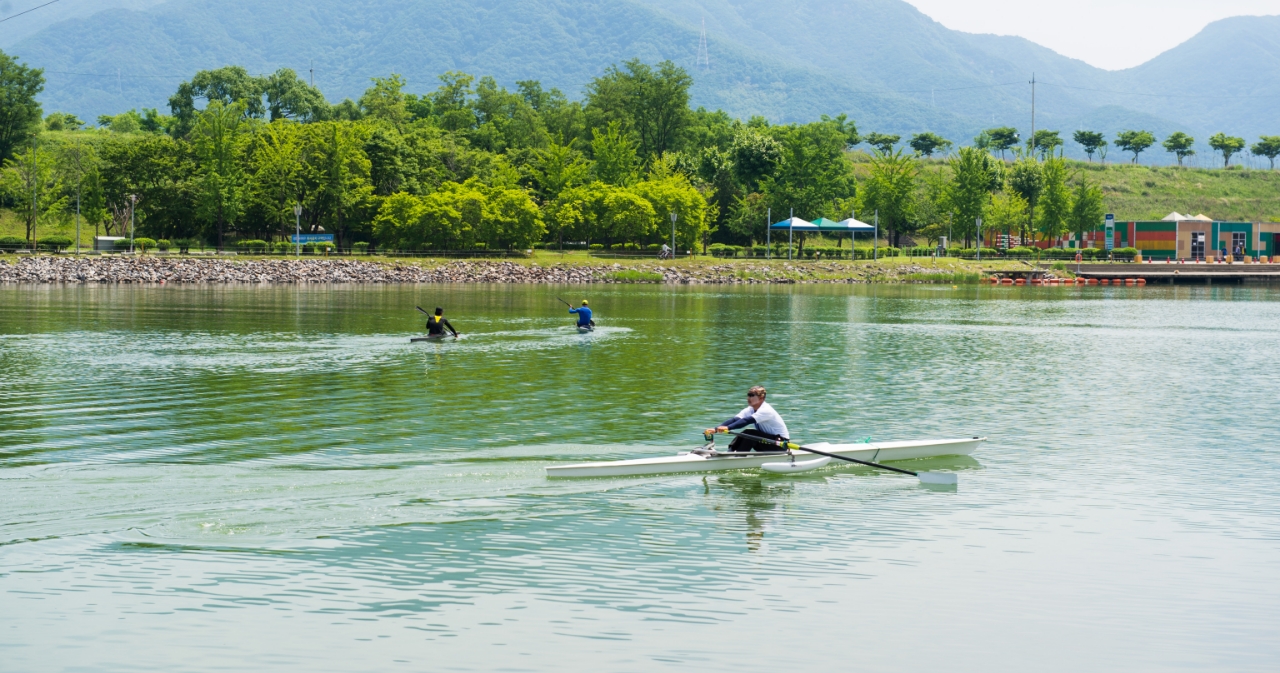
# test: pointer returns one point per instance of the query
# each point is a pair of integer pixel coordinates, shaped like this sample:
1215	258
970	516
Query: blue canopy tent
792	225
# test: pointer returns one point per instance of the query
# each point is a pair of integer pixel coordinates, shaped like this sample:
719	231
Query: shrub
252	245
283	247
634	276
143	244
1121	253
318	247
596	247
163	244
56	243
1020	250
12	242
360	247
653	247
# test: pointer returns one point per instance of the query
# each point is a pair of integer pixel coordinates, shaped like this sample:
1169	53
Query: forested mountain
882	62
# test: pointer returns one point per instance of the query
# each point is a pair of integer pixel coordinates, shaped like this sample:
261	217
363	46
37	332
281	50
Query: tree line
475	165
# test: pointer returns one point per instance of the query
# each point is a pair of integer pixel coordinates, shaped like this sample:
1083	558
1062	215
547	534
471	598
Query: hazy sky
1110	34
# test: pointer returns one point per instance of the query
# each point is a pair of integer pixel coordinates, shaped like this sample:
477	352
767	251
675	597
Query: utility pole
768	229
875	243
1032	222
673	235
1033	114
297	230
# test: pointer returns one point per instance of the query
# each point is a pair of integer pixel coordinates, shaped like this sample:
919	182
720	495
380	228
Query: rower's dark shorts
745	441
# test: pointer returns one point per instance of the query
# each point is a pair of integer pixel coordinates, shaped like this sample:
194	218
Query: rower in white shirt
768	424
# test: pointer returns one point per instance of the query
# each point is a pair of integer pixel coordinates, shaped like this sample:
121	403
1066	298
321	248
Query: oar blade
794	467
938	478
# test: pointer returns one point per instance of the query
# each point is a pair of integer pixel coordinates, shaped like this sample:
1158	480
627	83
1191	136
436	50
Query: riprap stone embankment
188	270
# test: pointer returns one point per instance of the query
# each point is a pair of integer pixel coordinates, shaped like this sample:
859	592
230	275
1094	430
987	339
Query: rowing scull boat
715	461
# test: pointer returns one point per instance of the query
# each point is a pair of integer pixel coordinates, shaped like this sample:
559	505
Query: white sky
1111	34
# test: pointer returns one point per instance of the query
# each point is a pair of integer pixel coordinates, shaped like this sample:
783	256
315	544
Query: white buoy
790	467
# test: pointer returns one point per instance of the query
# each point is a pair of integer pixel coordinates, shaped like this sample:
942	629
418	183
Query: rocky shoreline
184	270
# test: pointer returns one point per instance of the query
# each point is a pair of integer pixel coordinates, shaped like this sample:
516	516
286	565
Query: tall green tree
1135	141
336	184
1007	212
1026	178
652	102
616	162
925	144
20	113
755	156
289	97
1002	139
1269	147
218	138
229	85
275	174
1044	143
1054	205
1087	209
890	192
79	165
1090	141
814	170
557	168
30	180
1227	146
676	195
1179	144
973	177
882	142
385	101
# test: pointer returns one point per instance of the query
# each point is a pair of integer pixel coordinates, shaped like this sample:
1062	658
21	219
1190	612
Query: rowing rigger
710	460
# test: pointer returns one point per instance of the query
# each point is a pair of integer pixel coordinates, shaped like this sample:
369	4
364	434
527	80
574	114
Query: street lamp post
768	229
673	235
133	205
297	230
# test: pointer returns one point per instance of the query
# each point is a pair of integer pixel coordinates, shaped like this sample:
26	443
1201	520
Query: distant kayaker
768	424
437	324
584	315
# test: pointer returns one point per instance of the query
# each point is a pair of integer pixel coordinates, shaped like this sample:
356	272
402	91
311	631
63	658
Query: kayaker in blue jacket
584	315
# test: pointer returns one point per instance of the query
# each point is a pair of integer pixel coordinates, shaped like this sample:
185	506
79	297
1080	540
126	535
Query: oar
564	302
924	477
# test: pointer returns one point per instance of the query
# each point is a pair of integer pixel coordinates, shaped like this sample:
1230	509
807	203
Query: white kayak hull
876	452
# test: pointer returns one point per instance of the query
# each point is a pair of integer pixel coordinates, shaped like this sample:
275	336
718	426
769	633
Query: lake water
232	478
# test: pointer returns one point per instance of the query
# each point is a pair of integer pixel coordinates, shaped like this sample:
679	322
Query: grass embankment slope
1138	192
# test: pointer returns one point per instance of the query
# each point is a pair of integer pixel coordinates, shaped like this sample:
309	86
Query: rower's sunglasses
751	395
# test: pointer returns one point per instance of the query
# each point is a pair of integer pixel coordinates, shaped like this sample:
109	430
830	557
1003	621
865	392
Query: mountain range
882	62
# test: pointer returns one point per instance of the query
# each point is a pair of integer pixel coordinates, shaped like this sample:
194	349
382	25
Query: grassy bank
1137	192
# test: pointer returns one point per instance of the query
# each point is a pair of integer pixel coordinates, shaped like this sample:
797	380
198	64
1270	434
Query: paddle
924	477
428	313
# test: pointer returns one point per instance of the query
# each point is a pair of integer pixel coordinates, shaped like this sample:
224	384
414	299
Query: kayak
433	337
585	330
710	460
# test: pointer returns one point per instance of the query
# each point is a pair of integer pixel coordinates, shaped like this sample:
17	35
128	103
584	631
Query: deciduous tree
20	113
1090	141
1135	141
1180	145
1269	147
925	144
1227	146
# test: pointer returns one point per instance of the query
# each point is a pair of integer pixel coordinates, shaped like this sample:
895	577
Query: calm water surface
203	479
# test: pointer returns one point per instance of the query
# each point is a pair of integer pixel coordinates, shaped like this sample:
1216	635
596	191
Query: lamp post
875	244
768	229
673	235
791	223
133	205
297	229
978	225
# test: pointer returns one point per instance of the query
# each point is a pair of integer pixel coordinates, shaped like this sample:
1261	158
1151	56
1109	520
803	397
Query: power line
28	11
1149	95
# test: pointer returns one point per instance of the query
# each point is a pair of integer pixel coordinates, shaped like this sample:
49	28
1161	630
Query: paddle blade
798	466
939	478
